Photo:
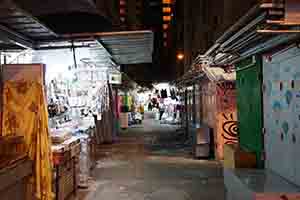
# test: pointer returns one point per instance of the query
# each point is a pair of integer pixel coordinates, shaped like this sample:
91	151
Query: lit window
167	1
122	3
165	44
122	11
122	19
165	35
167	18
166	9
165	26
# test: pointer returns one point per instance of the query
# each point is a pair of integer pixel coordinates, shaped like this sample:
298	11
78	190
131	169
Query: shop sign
115	78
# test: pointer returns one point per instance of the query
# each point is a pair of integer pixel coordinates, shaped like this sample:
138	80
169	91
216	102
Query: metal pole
74	55
186	114
1	93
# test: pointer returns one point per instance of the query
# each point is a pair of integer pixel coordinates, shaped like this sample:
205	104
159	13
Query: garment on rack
163	94
25	114
173	95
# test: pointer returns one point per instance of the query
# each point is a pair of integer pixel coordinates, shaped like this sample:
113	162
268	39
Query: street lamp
180	56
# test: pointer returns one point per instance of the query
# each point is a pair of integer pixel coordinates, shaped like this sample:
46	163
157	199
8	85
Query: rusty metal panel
292	11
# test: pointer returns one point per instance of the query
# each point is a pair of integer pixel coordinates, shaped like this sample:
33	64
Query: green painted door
249	103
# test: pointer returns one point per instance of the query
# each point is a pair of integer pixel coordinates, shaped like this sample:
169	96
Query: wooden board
11	175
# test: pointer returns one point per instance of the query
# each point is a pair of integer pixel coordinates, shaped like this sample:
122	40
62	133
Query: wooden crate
14	180
63	153
65	181
66	170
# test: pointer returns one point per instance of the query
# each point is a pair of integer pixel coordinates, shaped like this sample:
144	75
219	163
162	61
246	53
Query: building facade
158	16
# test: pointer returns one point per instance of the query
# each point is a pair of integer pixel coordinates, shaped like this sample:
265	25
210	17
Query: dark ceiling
68	16
46	7
76	22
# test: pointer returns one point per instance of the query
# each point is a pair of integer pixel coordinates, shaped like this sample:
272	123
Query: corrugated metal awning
18	26
129	47
126	47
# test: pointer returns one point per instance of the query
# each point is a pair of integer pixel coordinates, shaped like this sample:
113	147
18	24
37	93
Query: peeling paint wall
281	75
220	113
209	101
227	125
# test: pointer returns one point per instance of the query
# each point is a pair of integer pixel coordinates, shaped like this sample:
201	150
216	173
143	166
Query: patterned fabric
25	114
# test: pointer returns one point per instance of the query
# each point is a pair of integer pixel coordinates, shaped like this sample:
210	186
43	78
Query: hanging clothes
25	114
173	94
163	94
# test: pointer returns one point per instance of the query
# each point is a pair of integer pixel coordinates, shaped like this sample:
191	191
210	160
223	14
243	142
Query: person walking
142	110
150	106
161	110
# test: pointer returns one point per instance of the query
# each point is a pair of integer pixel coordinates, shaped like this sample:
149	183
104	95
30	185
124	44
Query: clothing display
25	114
105	120
173	95
164	94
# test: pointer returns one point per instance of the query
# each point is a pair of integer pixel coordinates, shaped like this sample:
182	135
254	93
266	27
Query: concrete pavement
150	162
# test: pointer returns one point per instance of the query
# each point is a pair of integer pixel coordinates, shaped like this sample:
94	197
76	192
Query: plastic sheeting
218	74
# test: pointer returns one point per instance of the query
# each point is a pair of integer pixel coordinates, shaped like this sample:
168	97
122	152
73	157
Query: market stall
68	102
81	107
163	100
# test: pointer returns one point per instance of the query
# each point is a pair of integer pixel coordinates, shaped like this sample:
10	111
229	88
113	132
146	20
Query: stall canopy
69	16
27	29
129	47
17	27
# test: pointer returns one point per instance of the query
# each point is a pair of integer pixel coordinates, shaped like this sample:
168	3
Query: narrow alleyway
151	163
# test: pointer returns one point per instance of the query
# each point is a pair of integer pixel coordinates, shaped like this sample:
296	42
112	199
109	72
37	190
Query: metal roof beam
248	27
63	47
108	53
16	38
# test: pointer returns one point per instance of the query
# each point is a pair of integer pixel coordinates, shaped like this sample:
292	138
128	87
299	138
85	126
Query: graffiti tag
230	129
